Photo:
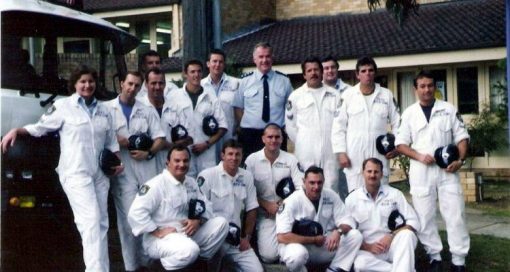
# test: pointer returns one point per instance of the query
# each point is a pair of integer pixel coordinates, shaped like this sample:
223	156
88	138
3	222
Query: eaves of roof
91	6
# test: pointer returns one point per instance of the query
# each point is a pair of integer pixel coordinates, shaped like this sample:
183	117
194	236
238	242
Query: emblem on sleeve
289	105
281	208
143	190
200	181
50	110
459	117
300	168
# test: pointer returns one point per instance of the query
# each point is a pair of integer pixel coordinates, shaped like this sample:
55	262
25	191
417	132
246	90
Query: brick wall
468	183
238	14
286	9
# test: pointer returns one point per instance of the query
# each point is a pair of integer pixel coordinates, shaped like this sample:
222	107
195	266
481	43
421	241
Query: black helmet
107	160
140	142
196	208
396	220
178	132
285	187
385	143
307	227
234	234
446	155
210	125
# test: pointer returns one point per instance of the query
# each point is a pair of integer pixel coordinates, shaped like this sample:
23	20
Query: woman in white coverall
85	128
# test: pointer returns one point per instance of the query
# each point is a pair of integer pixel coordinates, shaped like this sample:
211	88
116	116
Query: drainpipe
216	16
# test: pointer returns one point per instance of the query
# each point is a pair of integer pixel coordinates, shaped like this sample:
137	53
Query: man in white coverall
309	116
333	245
367	110
132	117
269	167
427	125
169	113
161	212
386	221
233	196
200	102
150	60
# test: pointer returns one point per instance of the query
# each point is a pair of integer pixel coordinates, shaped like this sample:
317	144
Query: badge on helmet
446	155
196	208
234	234
385	143
178	133
396	220
107	160
307	227
209	125
140	142
285	188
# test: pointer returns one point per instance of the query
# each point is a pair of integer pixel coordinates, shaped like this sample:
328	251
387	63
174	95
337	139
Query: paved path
480	223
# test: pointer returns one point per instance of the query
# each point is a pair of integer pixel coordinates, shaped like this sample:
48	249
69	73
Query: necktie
265	105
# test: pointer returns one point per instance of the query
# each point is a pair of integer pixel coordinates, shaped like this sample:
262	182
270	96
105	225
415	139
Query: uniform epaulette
278	72
247	74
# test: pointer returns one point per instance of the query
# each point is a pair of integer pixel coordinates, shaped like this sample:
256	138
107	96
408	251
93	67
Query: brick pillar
468	183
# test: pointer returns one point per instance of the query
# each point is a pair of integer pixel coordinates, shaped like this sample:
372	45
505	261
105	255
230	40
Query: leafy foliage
399	8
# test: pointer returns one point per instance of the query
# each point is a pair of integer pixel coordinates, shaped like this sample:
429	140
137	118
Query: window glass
142	29
406	95
496	77
467	90
440	78
163	34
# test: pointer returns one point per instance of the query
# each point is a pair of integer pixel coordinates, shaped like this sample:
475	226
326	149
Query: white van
41	43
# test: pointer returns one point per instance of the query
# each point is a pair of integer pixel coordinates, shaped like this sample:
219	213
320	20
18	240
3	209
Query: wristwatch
463	161
340	231
150	155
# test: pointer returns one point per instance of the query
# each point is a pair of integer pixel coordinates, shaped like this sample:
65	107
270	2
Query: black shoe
435	266
458	268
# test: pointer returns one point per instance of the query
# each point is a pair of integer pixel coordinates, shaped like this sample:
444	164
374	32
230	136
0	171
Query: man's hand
190	226
333	241
139	155
392	154
244	244
271	207
198	149
319	240
118	169
123	141
454	166
9	139
426	159
344	160
160	233
385	242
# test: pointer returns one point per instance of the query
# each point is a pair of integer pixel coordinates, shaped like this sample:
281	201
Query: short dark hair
192	62
77	73
330	58
133	73
423	74
311	60
232	143
374	161
177	147
365	61
217	52
272	125
315	170
155	71
150	53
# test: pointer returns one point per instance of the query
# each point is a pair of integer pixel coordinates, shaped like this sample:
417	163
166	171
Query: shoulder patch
289	105
50	110
278	72
281	208
396	104
300	168
246	74
143	190
200	181
459	117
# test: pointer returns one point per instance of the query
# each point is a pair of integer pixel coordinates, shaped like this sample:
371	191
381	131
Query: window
467	90
440	78
405	88
497	95
142	30
163	35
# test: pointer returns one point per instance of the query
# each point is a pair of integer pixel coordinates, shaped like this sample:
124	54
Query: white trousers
266	240
239	261
451	206
177	250
88	197
400	256
296	256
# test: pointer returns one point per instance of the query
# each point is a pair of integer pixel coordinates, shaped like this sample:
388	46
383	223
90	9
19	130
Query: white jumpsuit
371	219
266	177
163	202
356	128
231	197
331	210
428	182
308	124
136	173
83	136
207	104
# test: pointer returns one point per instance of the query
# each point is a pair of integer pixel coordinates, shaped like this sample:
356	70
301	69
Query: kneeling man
174	217
308	227
385	219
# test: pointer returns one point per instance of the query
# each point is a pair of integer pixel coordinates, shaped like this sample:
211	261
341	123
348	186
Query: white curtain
405	87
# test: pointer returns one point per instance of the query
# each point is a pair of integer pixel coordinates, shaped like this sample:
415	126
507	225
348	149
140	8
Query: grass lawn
487	254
